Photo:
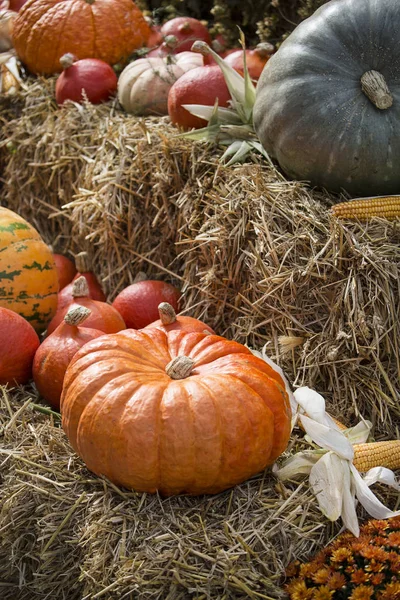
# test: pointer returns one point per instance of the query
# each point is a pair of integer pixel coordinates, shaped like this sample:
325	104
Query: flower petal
326	481
328	438
367	498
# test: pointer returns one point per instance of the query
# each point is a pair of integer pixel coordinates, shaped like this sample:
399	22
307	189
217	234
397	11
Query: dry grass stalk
68	534
258	257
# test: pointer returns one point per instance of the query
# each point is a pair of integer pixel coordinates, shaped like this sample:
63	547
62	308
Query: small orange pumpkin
19	342
45	30
56	352
103	316
66	270
174	411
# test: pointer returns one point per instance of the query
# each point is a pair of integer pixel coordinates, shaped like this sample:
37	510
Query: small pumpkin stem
82	262
171	41
185	27
201	47
67	60
80	287
180	367
140	275
167	313
374	86
76	316
264	49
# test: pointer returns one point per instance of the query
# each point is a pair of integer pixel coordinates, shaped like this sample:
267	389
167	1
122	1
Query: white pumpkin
144	84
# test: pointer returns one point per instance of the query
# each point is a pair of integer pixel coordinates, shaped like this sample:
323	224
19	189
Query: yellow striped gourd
28	275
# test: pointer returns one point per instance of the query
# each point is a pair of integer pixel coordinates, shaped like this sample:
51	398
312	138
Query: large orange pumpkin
45	30
176	412
28	274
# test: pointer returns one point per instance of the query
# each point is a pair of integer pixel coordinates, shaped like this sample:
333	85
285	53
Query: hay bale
68	534
258	257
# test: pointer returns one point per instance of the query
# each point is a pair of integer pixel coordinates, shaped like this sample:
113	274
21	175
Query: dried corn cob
363	209
374	454
377	454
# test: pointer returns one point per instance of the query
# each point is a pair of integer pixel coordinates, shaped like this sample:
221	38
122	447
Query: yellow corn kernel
377	454
386	207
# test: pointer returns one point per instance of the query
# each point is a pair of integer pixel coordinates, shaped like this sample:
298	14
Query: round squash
66	270
174	411
45	30
144	84
138	303
328	102
28	274
198	86
103	316
88	78
56	352
19	342
186	30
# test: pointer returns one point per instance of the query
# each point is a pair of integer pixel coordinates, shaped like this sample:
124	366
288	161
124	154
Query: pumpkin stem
374	86
171	41
264	49
180	367
67	60
80	287
140	275
167	313
75	316
82	262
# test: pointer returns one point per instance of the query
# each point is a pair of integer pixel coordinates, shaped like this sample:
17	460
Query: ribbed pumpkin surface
28	275
45	30
130	421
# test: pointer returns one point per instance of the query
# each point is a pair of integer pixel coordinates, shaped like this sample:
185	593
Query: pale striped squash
28	275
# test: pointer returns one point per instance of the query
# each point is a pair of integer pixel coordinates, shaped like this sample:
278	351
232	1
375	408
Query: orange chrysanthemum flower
323	593
322	575
359	576
390	592
362	592
363	568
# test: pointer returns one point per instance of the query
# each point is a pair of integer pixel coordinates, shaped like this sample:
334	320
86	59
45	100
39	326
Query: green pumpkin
328	102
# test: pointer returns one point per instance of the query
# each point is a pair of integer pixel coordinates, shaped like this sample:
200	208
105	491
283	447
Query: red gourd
138	303
66	270
56	352
103	316
170	321
19	342
89	78
65	296
256	59
202	85
186	30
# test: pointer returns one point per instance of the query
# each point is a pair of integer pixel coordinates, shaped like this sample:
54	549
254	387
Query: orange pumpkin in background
19	342
45	30
102	315
56	352
66	270
175	412
202	85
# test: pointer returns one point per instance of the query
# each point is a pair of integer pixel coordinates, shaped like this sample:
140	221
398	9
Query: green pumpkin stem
374	86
